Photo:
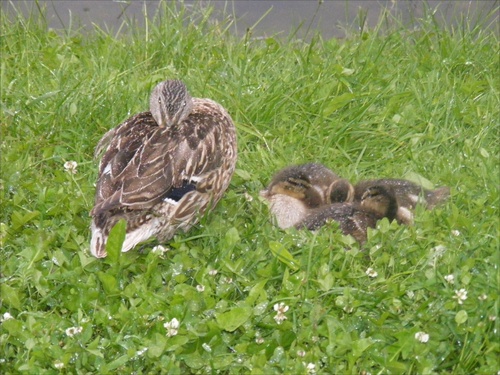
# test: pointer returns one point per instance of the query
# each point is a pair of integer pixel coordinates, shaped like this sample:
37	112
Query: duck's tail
98	241
436	197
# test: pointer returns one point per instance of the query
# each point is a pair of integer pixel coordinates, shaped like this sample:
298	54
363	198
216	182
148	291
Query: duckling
162	169
296	189
355	218
408	194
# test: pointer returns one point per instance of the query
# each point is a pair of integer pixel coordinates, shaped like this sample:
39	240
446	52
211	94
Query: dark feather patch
176	194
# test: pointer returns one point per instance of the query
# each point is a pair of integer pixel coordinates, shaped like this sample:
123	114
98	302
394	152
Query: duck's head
380	200
170	103
295	190
340	191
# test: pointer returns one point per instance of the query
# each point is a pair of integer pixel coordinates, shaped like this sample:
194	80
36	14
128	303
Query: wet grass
420	103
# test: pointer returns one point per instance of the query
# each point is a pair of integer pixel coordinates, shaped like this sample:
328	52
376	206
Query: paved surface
330	18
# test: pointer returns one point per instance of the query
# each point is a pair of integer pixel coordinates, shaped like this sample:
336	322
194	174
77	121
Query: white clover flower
311	368
212	272
301	353
6	316
460	295
371	272
70	166
482	297
172	327
450	279
58	364
159	249
71	331
422	337
280	309
455	232
200	288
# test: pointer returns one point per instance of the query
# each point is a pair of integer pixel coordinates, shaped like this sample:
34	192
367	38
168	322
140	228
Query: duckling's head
295	190
340	191
380	200
170	103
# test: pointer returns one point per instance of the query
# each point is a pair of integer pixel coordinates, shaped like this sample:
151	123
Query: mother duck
162	169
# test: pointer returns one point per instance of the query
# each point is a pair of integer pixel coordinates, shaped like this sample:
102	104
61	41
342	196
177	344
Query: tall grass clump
235	294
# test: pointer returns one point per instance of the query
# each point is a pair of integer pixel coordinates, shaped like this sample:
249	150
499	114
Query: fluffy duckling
355	218
408	194
162	169
296	189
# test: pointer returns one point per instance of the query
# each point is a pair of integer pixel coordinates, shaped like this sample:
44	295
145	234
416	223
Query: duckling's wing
339	212
146	164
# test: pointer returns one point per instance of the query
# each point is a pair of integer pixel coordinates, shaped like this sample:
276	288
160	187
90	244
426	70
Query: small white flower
311	368
248	197
455	232
55	261
259	340
71	331
212	272
301	353
460	295
6	316
141	352
371	272
207	347
159	249
439	250
172	327
482	297
58	365
422	337
280	309
492	318
70	166
228	280
450	279
200	288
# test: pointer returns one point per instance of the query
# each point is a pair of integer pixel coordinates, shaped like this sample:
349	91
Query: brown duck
162	169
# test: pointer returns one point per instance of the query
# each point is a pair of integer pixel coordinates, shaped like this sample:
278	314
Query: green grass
386	103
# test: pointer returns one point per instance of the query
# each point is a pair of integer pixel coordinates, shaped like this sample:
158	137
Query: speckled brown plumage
408	195
309	195
162	178
355	218
296	189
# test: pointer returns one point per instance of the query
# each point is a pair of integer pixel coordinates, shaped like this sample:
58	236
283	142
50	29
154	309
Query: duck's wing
145	164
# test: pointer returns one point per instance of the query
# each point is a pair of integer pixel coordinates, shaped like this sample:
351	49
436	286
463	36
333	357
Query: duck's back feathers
355	218
164	176
352	219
